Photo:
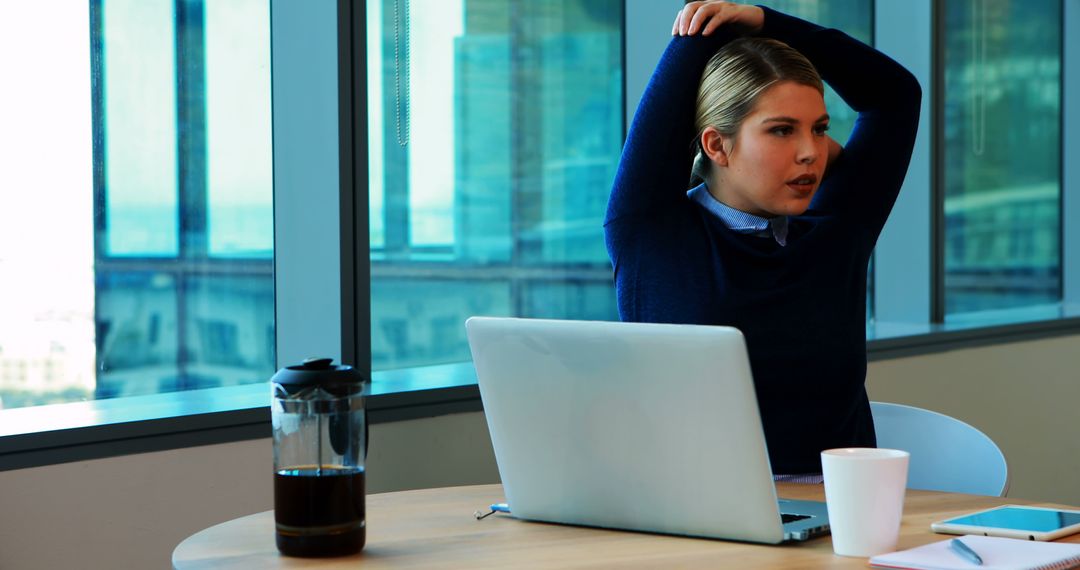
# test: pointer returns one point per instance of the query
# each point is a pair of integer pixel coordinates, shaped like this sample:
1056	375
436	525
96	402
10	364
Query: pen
495	508
965	551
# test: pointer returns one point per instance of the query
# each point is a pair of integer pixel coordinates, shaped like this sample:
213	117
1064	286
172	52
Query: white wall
1025	396
130	512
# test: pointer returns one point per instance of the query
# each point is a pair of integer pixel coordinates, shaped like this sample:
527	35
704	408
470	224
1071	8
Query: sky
433	27
46	157
46	161
46	232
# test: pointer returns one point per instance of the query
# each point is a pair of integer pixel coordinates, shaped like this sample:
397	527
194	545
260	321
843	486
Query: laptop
633	426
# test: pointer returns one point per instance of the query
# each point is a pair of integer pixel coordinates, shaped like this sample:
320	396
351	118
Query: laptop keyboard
786	518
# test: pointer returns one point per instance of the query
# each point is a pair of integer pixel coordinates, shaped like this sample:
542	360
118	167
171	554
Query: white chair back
946	453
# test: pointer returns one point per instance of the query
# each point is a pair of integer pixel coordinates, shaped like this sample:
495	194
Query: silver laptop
643	427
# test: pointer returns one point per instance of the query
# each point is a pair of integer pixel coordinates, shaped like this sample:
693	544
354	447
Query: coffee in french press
319	449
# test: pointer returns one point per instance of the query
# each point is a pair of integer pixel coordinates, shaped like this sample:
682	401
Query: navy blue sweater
802	308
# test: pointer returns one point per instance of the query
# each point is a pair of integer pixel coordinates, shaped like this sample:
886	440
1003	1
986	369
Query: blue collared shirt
739	221
742	222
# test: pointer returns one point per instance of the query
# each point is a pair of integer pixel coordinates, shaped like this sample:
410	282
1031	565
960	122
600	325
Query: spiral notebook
997	554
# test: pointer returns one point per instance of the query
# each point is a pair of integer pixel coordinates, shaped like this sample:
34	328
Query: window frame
921	19
1070	147
903	258
309	189
938	270
317	166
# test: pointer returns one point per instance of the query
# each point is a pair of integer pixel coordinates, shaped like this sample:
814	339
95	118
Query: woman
777	238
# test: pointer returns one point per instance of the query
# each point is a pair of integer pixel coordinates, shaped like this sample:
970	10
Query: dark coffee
319	512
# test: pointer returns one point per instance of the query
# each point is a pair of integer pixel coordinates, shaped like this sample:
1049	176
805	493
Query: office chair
946	453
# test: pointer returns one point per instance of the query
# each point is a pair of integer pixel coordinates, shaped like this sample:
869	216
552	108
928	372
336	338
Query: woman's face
777	159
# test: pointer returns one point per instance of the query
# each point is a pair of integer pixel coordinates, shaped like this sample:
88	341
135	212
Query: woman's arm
706	16
656	159
834	152
887	97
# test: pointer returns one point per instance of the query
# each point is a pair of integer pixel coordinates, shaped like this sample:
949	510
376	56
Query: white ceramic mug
864	493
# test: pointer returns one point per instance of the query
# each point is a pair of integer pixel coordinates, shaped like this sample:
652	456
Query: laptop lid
635	426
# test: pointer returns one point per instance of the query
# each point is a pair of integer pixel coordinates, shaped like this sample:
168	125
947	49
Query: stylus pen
495	508
965	551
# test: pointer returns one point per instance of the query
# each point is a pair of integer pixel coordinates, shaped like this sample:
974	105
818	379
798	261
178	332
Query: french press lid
317	372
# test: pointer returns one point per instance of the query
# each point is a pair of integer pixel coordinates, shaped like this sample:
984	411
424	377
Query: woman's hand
704	17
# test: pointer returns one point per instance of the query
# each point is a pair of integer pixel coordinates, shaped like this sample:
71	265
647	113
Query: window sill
79	431
888	340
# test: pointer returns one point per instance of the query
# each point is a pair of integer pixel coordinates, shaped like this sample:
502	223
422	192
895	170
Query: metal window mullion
352	136
517	152
190	42
905	256
937	188
97	106
191	128
644	41
1070	153
97	103
307	186
395	151
361	268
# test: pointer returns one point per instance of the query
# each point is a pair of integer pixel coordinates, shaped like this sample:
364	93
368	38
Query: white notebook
996	553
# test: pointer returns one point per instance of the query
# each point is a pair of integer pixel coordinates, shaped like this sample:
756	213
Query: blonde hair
733	81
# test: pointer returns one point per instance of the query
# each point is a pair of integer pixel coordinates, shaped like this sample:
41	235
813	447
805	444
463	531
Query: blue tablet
1014	521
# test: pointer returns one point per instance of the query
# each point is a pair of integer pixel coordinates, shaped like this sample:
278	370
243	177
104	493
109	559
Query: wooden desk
435	528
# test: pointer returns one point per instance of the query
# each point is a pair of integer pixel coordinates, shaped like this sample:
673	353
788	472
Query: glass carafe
319	449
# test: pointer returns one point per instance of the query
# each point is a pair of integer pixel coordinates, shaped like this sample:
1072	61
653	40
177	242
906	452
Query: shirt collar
739	221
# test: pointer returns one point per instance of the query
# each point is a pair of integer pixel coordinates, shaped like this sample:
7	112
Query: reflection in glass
136	241
1002	154
496	131
856	19
853	17
46	200
590	301
240	215
228	331
140	117
422	318
200	315
136	332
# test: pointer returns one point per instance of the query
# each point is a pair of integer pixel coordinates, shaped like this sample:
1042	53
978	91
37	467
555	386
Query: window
136	224
495	131
46	283
463	219
137	239
853	17
1002	156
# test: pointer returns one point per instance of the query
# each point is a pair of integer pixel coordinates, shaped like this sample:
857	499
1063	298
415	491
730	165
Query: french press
319	449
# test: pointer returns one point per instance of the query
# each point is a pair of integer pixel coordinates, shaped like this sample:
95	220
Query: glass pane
238	143
228	331
856	19
136	332
422	319
1002	155
377	62
853	17
140	118
496	129
46	200
144	263
584	300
